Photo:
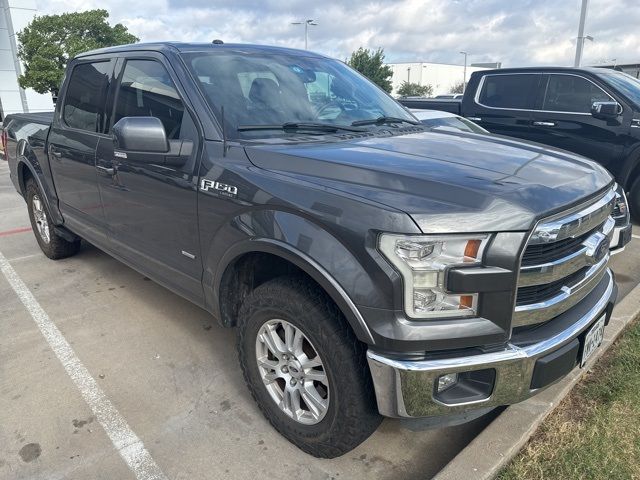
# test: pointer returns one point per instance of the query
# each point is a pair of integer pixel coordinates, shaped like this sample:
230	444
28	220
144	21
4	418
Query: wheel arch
278	258
25	170
631	169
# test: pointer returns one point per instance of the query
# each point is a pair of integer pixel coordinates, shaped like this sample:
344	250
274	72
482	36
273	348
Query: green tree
415	90
371	65
50	41
458	87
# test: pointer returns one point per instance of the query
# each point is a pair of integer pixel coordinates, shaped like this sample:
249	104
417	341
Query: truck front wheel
305	368
51	244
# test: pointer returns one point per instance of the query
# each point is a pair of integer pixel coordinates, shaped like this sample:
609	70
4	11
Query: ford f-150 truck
372	266
593	112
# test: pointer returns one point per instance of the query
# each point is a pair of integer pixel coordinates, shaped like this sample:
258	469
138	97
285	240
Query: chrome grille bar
569	296
575	224
589	254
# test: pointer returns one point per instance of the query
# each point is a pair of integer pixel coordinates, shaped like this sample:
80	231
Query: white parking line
635	236
126	442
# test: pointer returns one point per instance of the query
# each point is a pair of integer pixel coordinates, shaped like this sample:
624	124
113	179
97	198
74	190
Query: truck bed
44	118
445	105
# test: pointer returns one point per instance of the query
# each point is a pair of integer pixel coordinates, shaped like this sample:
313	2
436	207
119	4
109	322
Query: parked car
593	112
437	118
371	265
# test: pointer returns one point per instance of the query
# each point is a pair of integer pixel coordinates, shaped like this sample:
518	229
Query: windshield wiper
383	120
321	127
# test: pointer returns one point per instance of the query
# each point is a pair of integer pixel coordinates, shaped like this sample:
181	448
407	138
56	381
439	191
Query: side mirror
140	134
606	110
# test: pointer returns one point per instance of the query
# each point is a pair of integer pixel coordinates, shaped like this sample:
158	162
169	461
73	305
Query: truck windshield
283	89
626	85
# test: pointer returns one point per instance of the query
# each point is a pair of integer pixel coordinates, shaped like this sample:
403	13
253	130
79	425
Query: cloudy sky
515	32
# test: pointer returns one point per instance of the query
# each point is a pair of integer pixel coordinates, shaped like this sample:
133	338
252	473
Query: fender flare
631	163
305	263
37	176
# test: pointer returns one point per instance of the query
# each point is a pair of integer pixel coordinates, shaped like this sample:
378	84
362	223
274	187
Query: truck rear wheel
51	244
305	368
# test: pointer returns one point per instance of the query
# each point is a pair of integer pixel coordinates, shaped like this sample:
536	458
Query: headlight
422	261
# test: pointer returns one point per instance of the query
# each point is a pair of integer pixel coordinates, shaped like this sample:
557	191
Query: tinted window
507	91
146	90
626	84
569	93
85	97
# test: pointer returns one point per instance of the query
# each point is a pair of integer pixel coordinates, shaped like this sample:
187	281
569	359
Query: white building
14	16
441	76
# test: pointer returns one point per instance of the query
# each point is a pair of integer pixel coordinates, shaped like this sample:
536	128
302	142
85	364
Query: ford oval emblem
601	250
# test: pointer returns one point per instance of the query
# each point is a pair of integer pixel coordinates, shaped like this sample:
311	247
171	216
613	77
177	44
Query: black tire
634	200
351	415
55	247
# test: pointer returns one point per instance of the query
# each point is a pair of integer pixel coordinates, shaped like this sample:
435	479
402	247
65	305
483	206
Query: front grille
565	259
539	293
545	253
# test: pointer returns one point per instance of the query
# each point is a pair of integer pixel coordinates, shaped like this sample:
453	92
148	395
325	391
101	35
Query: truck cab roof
592	70
199	46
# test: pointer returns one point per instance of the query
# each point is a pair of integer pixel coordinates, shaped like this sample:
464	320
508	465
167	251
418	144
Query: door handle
55	153
544	124
105	171
475	119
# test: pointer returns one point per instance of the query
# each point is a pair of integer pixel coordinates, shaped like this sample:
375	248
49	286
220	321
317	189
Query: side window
85	98
508	91
146	90
570	93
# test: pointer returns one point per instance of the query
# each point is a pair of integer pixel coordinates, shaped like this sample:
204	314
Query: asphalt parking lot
168	372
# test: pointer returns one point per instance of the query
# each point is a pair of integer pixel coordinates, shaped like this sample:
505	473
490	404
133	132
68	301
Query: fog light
446	381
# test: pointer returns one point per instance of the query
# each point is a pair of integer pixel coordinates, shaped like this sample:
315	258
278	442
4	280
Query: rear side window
508	91
146	90
85	98
570	93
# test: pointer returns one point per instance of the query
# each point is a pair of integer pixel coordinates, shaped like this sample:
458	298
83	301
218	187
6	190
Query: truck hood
446	181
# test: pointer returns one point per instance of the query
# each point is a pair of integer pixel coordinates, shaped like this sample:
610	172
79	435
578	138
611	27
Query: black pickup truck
371	265
593	112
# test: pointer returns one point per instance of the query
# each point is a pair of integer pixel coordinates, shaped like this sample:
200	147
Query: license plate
592	340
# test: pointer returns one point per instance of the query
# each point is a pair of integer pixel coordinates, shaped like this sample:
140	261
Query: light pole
408	74
581	36
306	24
464	81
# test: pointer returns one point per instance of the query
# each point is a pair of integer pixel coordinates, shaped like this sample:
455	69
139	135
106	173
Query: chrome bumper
407	388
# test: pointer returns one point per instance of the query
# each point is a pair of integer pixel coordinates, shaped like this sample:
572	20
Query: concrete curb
497	444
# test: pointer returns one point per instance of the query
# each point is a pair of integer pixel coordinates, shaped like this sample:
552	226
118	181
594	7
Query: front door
151	209
563	119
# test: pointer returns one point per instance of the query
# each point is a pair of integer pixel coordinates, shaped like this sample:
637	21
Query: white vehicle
437	118
451	96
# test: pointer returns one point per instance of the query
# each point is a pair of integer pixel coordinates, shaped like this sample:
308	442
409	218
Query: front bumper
408	388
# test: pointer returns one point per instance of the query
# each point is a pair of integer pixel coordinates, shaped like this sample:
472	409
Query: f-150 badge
218	187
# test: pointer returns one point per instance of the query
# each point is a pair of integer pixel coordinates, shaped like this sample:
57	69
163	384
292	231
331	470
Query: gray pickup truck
371	265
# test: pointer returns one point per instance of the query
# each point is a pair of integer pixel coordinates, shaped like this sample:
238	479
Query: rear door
78	125
150	209
563	118
503	103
